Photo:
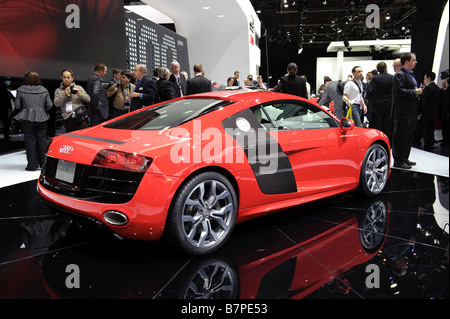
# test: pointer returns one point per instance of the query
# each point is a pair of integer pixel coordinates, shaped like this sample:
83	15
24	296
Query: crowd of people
80	108
405	110
394	104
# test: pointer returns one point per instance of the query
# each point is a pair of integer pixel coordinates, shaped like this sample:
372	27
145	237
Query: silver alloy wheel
213	280
373	227
207	214
376	169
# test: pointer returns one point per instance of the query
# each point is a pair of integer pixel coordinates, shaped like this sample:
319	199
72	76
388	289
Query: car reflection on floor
319	250
266	267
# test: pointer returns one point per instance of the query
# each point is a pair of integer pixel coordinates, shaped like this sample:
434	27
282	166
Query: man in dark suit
405	95
98	106
145	91
178	79
429	109
260	83
292	83
115	80
236	79
198	84
379	93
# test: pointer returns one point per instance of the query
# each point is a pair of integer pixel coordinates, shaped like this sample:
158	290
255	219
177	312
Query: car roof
247	96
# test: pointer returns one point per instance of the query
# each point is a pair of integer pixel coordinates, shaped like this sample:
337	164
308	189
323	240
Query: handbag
349	113
79	115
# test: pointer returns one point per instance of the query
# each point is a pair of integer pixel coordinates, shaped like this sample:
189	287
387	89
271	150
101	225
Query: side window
261	117
297	116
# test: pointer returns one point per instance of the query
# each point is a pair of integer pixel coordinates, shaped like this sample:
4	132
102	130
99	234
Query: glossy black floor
392	246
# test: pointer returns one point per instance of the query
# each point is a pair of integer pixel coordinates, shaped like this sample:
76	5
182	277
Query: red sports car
193	167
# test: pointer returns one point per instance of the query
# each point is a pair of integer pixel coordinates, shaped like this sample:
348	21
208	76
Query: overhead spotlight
346	43
388	16
324	2
339	30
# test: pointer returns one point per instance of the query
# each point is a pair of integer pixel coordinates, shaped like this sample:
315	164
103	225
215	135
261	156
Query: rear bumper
146	211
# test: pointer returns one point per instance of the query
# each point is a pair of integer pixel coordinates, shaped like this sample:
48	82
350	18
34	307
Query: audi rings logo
66	149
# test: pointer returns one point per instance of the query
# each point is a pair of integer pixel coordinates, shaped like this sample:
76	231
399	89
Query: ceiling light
206	8
221	16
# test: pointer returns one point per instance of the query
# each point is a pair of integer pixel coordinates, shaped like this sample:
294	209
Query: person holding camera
121	94
69	97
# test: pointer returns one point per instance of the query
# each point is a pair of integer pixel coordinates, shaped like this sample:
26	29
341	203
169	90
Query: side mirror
347	124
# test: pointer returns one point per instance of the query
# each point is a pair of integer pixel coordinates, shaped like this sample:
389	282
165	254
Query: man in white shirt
353	96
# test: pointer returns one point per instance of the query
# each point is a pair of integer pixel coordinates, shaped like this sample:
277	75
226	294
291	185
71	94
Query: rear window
168	115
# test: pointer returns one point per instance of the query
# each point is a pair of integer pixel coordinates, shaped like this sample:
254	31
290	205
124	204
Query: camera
444	75
72	90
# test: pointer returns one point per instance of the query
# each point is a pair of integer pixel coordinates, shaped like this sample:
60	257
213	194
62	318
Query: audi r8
189	169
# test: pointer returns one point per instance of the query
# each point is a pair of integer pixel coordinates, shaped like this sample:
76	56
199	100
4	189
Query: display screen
48	36
153	45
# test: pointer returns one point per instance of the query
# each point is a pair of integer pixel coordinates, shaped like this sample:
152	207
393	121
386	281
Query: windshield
168	115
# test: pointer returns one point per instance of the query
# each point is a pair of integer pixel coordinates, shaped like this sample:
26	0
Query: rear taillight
122	160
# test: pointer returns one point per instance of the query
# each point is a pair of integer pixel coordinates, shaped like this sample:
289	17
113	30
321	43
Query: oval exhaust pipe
115	218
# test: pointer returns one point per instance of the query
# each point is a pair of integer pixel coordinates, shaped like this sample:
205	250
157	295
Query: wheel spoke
203	234
194	203
214	198
222	215
192	219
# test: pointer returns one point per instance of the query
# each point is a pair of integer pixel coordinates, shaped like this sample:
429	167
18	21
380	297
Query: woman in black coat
33	101
165	89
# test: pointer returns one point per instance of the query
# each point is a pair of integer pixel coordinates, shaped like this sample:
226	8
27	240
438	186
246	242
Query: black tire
374	170
203	214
